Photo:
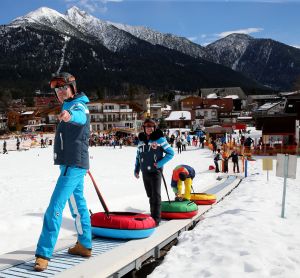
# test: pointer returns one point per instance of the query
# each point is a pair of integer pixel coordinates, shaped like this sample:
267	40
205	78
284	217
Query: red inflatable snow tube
178	210
204	202
178	215
122	220
211	167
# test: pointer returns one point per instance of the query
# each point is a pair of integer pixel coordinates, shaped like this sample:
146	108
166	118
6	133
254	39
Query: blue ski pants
69	187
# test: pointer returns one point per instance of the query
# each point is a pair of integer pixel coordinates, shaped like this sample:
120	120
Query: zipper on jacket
61	141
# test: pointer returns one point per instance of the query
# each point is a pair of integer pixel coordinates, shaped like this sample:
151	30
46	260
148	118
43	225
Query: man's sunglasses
62	88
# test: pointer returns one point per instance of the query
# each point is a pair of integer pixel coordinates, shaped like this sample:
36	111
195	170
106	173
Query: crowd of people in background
112	140
224	150
178	140
24	142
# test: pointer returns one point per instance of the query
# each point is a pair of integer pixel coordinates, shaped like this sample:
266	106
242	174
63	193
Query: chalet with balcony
109	115
237	95
166	110
156	110
45	101
206	116
190	103
179	119
277	120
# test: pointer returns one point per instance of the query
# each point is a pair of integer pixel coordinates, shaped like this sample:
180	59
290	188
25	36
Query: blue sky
201	21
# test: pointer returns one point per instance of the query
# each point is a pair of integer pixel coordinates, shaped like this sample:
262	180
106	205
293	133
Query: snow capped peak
239	36
43	12
134	30
167	40
114	36
39	16
235	38
77	16
236	42
109	35
74	10
83	20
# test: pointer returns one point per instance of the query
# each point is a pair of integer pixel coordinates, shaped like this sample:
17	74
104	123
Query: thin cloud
91	6
192	38
240	31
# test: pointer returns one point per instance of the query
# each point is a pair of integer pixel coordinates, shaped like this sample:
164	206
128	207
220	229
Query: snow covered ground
242	236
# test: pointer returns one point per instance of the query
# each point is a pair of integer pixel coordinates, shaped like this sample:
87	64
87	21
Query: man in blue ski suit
71	153
150	159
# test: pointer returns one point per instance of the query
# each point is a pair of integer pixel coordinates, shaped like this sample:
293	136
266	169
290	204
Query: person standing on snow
186	174
18	144
178	144
4	148
235	160
217	157
150	159
71	153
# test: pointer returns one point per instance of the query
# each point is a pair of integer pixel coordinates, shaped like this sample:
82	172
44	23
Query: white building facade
110	115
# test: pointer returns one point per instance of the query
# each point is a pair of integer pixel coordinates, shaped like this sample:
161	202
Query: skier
235	160
18	144
214	145
4	148
150	159
186	174
225	157
216	160
202	139
42	143
71	153
178	144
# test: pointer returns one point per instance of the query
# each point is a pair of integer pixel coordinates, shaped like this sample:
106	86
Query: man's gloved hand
136	175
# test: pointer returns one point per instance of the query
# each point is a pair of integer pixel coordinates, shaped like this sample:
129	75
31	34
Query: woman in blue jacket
153	152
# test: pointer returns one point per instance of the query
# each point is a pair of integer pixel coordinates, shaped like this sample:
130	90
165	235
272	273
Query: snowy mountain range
108	55
269	62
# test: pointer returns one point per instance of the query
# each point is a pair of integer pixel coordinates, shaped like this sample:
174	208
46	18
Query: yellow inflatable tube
203	198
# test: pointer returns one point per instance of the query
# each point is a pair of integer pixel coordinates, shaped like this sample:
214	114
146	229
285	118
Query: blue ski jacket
152	151
72	138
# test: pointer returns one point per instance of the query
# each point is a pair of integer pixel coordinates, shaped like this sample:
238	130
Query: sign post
246	167
286	163
297	135
267	166
286	168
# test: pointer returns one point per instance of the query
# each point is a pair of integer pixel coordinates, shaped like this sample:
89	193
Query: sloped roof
263	97
224	92
179	116
267	106
27	113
